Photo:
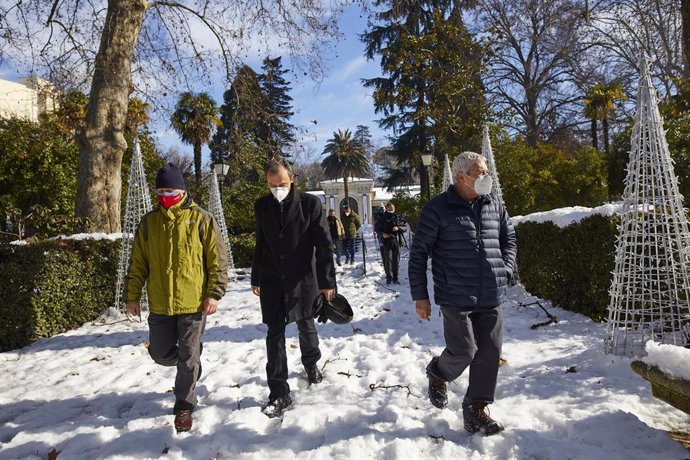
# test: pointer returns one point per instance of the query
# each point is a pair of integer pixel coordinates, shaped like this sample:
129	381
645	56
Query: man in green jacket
351	223
180	256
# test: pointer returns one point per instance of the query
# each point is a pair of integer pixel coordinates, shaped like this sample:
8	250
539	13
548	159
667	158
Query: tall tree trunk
685	15
605	126
197	166
102	142
532	125
347	190
595	140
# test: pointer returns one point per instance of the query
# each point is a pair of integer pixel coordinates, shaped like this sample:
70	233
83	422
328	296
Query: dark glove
319	310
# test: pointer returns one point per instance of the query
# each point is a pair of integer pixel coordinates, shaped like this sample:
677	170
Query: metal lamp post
221	170
426	161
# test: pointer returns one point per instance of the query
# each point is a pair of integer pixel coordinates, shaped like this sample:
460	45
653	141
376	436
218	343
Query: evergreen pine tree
274	128
430	94
235	143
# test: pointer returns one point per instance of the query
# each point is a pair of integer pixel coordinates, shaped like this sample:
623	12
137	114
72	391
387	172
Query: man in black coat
292	265
389	226
472	245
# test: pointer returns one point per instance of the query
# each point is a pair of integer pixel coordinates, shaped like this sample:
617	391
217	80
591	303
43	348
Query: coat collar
456	200
293	206
175	210
290	208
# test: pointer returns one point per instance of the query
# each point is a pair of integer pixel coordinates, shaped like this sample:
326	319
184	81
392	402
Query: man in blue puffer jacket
471	242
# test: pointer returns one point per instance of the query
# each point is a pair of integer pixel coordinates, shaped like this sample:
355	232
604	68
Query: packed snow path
95	393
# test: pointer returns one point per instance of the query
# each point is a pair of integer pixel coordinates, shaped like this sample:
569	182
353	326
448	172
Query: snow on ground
673	360
95	393
563	217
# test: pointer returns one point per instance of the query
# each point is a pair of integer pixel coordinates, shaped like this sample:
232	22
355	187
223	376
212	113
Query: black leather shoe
313	374
276	406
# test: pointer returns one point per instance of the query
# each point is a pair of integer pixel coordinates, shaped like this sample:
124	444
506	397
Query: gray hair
463	163
274	164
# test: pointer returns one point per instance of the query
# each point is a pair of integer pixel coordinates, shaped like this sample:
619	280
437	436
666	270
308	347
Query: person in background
471	241
388	228
292	265
180	256
351	222
337	234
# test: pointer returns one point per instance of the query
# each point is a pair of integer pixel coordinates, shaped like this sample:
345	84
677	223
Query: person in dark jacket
292	264
471	242
351	222
389	227
337	234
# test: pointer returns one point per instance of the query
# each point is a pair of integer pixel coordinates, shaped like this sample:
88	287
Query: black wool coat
293	257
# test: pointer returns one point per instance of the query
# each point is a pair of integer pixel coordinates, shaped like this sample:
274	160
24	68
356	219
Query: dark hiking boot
437	387
396	281
477	418
388	280
313	374
183	420
276	406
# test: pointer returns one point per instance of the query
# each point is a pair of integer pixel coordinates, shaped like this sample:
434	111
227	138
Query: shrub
53	286
242	249
570	266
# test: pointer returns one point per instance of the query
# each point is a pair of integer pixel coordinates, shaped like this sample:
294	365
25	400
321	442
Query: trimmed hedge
53	286
570	266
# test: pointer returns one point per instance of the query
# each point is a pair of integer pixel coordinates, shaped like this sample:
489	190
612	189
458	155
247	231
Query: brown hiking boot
183	420
477	418
437	386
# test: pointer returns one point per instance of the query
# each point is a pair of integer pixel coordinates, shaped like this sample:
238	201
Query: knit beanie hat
170	176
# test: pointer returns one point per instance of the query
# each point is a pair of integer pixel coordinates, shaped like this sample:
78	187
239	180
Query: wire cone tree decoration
447	175
137	205
497	192
216	208
488	153
650	290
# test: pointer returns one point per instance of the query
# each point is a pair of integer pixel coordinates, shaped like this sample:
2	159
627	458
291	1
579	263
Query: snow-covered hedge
570	265
53	286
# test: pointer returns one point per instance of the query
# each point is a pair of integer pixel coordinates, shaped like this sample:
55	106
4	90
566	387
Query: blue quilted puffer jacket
472	249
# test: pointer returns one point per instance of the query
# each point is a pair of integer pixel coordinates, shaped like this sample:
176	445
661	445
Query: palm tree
195	119
599	105
346	158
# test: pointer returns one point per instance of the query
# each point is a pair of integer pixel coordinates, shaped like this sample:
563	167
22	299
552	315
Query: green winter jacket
351	224
180	254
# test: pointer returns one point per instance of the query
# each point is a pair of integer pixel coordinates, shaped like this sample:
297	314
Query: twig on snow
374	386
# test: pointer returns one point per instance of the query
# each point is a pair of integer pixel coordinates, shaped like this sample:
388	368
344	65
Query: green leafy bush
242	249
53	286
570	266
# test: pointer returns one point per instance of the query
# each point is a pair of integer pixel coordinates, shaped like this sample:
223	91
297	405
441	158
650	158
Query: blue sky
339	101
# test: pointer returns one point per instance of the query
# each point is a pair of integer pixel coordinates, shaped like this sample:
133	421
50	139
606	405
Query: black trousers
391	257
276	367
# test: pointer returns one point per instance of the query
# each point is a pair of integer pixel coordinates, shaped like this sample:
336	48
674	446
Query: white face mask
347	213
483	184
280	193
